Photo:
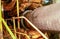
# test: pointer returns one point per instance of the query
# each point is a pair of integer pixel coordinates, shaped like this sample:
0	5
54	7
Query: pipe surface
46	18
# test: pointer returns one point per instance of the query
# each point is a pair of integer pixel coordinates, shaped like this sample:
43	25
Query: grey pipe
47	18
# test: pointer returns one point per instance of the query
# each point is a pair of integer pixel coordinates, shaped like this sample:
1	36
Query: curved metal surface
47	18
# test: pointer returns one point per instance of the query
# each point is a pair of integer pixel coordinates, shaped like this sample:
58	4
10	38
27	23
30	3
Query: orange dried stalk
34	34
23	5
36	1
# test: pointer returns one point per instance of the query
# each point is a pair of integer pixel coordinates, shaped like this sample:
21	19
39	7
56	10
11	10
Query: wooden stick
8	29
32	26
18	16
35	28
1	30
14	27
